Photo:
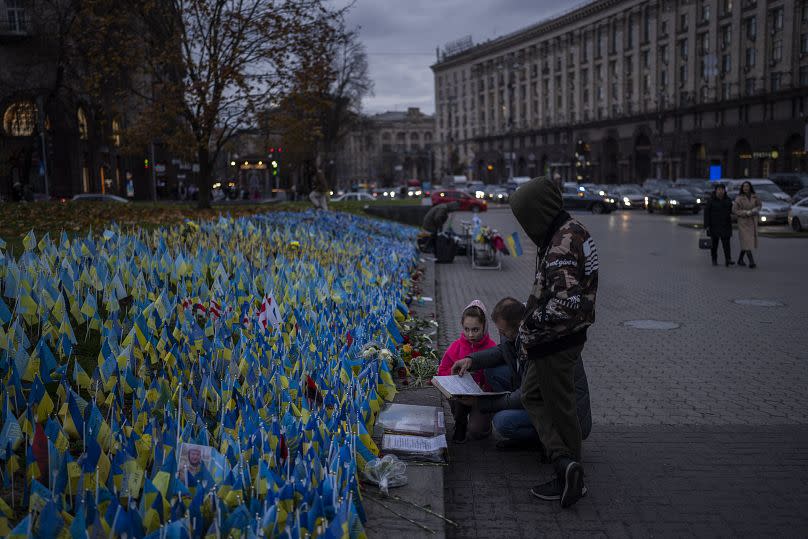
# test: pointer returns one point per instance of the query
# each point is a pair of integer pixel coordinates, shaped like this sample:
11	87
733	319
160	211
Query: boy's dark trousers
724	244
548	395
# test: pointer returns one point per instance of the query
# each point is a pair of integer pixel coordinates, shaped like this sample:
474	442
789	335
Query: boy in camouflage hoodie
560	308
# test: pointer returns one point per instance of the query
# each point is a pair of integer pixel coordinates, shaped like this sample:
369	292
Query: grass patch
78	218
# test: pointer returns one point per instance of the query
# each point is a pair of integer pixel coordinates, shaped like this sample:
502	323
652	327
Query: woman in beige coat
747	207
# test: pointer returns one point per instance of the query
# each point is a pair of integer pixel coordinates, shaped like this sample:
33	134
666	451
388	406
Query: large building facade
388	149
626	90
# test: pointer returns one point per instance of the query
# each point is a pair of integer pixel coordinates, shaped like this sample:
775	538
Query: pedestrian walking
560	308
473	339
747	208
320	191
718	223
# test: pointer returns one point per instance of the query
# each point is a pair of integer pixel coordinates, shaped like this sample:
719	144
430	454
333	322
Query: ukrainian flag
513	244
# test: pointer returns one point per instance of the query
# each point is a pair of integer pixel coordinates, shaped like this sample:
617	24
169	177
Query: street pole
154	175
41	109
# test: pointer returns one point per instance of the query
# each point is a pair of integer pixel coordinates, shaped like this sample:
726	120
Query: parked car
353	196
671	200
498	194
99	197
790	182
799	195
630	198
734	186
773	210
576	198
653	185
798	215
466	201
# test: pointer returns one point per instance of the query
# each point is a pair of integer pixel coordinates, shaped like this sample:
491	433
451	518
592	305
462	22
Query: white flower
385	354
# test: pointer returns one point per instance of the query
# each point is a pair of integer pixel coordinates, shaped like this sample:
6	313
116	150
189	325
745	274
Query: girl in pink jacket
473	339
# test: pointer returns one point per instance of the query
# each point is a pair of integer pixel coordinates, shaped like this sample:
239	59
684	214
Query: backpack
445	249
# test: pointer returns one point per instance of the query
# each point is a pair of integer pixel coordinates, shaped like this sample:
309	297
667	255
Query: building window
749	86
726	63
726	7
777	50
646	83
646	59
750	25
726	36
663	78
776	81
804	44
683	49
16	16
803	75
630	33
776	18
804	17
19	119
682	74
663	54
599	43
683	22
663	28
81	119
629	65
705	13
751	57
704	43
116	133
613	44
726	91
646	27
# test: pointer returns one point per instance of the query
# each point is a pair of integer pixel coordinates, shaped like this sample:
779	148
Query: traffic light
146	164
275	165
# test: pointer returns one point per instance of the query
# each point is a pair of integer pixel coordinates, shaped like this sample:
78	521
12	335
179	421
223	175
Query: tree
350	84
213	66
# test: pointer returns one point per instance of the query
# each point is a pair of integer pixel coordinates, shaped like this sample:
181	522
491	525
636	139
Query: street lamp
512	67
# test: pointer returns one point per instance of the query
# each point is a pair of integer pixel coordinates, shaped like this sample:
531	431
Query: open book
461	386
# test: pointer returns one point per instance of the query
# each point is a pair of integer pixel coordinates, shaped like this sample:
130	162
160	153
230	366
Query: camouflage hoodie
562	302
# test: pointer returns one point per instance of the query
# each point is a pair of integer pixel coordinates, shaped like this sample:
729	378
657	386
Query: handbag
705	242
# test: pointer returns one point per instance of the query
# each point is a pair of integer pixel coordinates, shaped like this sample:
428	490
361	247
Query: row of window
401	137
749	25
20	119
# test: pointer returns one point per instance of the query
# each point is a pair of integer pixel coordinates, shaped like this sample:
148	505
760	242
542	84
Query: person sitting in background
503	372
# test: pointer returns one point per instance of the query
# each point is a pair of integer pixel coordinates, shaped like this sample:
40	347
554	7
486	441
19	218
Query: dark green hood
535	205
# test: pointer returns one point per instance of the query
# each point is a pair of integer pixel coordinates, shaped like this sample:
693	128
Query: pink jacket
461	348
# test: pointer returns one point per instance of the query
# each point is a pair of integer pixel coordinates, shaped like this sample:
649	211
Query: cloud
401	38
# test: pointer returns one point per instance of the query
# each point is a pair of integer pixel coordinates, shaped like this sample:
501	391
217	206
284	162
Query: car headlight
698	201
610	200
763	218
646	200
626	200
409	193
674	202
499	195
418	193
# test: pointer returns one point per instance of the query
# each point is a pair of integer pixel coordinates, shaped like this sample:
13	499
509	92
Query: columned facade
626	90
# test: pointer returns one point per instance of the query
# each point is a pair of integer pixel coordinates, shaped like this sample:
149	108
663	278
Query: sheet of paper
413	444
459	385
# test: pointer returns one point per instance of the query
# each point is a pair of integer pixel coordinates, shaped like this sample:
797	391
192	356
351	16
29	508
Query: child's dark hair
474	312
509	310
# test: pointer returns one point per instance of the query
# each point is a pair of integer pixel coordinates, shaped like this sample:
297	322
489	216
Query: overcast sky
401	37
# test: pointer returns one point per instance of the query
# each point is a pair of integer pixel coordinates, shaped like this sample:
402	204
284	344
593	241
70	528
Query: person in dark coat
437	216
718	223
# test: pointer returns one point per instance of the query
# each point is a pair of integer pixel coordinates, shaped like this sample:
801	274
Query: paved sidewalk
702	430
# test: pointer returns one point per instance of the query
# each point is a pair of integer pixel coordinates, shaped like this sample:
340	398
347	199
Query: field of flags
209	379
